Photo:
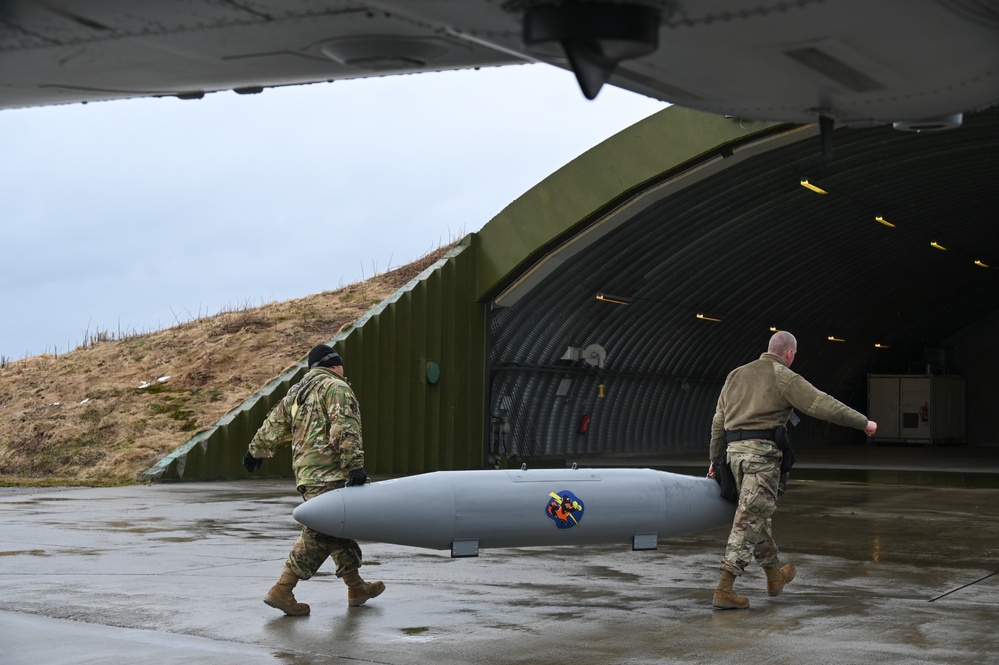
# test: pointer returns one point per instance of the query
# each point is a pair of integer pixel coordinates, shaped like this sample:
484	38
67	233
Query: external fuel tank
465	511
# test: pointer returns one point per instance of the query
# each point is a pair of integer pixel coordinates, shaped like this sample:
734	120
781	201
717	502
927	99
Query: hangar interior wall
974	355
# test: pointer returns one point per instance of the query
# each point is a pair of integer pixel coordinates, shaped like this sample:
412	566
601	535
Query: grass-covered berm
105	412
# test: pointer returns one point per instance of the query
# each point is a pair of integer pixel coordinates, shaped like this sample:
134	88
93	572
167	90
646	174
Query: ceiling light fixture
814	188
981	264
834	339
878	345
881	220
934	243
617	300
704	317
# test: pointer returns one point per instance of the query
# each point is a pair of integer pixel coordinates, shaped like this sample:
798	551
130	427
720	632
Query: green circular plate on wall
433	372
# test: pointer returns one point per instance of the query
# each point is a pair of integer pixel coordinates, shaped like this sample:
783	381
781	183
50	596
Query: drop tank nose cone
327	516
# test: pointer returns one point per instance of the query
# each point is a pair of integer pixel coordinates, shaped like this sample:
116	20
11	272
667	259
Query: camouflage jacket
760	395
321	421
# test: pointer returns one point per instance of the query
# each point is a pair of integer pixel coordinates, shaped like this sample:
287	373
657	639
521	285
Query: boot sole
357	602
278	605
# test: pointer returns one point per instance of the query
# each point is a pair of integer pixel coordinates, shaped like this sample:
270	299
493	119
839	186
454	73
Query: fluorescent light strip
617	300
814	188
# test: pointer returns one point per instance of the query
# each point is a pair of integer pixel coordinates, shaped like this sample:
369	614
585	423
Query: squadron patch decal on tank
565	509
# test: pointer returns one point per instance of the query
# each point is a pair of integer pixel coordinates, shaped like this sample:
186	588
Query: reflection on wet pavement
176	574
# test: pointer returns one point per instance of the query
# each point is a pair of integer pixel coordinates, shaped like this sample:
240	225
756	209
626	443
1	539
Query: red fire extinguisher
584	423
924	412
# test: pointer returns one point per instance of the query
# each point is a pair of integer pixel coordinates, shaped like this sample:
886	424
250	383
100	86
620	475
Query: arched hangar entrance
614	338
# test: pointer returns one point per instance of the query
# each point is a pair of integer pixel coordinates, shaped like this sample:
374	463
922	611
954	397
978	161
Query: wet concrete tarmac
175	574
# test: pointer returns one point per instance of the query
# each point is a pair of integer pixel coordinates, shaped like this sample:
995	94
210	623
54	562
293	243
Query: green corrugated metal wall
409	424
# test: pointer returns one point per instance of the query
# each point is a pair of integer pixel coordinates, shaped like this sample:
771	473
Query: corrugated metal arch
750	246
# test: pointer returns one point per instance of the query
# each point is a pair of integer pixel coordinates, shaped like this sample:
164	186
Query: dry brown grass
82	418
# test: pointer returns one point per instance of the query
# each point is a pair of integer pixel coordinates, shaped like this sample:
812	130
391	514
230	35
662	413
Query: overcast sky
133	216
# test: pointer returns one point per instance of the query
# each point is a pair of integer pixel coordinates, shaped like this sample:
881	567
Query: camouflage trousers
312	548
756	467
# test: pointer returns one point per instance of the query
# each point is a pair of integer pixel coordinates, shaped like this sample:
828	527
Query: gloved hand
251	463
357	477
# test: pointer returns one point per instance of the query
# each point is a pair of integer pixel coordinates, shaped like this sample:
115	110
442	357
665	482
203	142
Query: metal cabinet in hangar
916	408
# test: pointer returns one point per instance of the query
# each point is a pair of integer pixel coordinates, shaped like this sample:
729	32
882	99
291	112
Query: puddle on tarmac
606	572
416	631
130	527
27	552
516	626
417	634
37	501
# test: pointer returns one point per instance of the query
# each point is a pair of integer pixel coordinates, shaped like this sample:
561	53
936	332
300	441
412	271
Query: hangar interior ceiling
751	249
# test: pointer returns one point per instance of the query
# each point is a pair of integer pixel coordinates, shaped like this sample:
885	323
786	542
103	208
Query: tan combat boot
778	577
359	591
727	599
281	597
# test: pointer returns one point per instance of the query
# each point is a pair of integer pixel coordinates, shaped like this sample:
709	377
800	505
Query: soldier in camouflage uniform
320	419
756	399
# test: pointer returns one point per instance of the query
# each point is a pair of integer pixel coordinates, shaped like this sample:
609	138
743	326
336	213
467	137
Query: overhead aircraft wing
60	51
854	61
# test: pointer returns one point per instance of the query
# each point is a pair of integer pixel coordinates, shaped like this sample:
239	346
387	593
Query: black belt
743	434
325	487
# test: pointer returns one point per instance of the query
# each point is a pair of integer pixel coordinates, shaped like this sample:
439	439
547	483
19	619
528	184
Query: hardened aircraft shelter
596	317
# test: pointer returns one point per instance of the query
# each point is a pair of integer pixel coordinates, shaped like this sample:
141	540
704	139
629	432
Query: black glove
357	477
251	463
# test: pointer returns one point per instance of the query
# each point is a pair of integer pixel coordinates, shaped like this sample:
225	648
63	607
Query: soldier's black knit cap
324	356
